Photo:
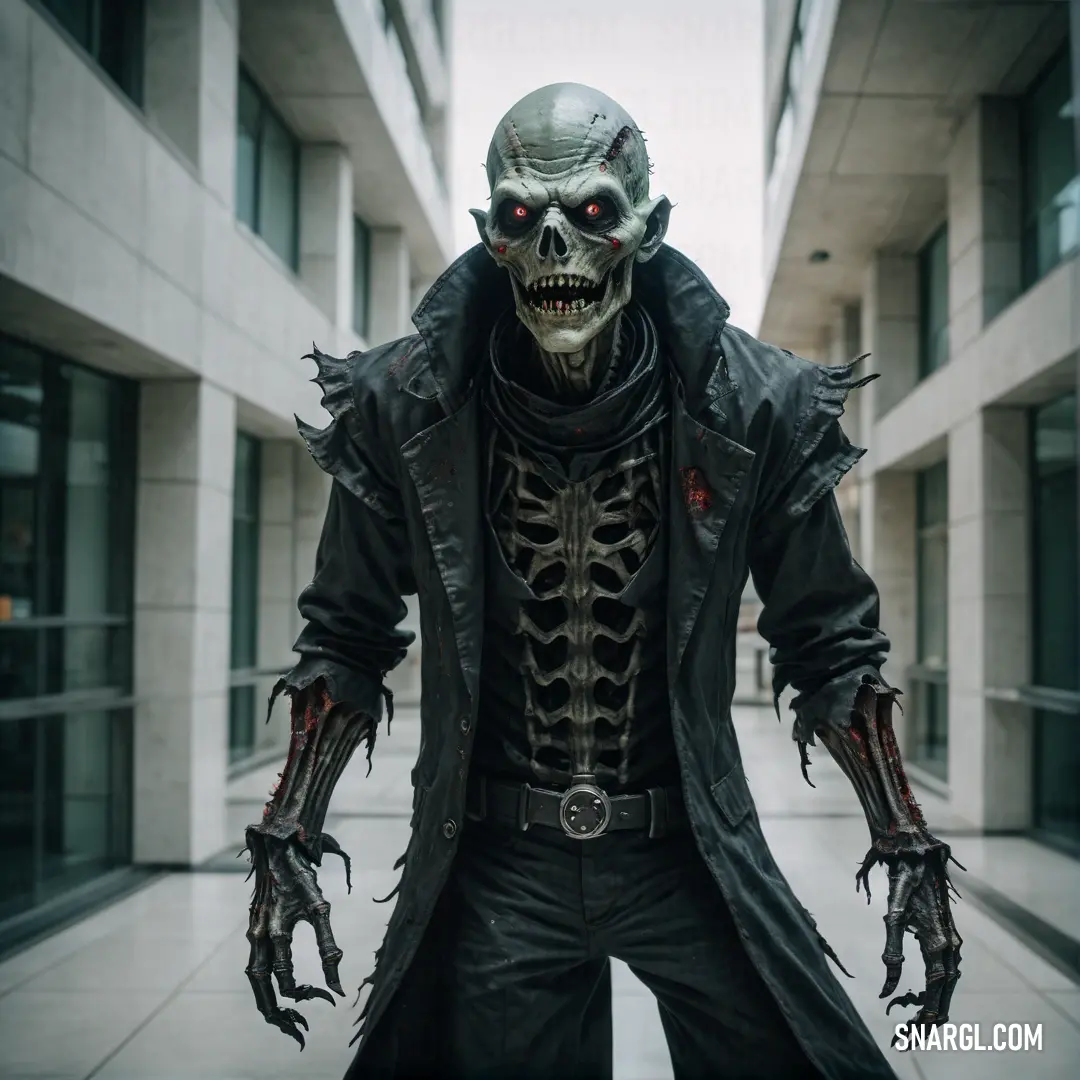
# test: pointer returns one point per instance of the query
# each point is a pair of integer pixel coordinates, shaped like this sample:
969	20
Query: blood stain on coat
696	492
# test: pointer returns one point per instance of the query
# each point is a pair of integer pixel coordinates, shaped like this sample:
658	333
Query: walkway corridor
152	988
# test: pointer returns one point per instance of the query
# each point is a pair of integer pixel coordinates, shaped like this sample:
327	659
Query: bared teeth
561	294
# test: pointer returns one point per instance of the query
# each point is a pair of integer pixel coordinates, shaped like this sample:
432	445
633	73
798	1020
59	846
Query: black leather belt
584	811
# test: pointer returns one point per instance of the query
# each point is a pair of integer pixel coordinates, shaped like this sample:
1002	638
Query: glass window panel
933	496
241	723
278	189
361	277
1056	557
248	113
63	659
21	395
120	43
245	571
933	600
1051	184
17	833
934	303
87	509
246	491
77	781
111	31
930	716
931	728
67	486
65	793
76	17
1057	765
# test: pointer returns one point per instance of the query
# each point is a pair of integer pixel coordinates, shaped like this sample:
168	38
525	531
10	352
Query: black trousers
530	923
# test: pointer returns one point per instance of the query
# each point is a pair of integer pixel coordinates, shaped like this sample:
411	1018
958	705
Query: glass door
66	532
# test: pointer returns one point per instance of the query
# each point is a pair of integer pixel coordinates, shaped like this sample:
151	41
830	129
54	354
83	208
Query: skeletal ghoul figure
575	464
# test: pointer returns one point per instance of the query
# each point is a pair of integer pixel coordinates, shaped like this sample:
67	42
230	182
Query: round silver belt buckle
585	811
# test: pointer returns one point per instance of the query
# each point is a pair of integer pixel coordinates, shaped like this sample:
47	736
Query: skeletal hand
919	902
287	892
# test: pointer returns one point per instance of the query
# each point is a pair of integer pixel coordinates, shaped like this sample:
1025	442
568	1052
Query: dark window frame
267	112
125	68
361	277
243	654
930	680
932	359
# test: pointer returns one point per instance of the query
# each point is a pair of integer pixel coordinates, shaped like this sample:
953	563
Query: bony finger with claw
286	892
926	911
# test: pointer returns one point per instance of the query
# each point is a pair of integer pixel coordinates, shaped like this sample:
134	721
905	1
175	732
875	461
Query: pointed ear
480	217
655	228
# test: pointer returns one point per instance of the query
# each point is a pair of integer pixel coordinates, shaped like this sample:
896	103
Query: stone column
326	229
187	443
989	618
889	332
277	600
844	346
893	514
190	84
984	186
890	328
391	297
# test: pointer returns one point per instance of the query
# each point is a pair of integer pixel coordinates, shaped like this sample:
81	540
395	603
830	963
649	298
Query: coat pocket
732	795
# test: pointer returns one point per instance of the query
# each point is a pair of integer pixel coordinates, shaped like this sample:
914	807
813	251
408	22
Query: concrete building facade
923	206
191	192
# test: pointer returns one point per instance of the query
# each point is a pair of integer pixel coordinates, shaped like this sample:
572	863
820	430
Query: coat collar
455	317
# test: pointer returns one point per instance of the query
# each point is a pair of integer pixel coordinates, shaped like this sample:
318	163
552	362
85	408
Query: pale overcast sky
690	74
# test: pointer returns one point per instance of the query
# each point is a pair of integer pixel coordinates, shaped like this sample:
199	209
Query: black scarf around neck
631	398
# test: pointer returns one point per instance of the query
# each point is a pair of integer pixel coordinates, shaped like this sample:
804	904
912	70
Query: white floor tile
67	1033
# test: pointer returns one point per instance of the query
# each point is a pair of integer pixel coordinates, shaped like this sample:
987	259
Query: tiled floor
153	988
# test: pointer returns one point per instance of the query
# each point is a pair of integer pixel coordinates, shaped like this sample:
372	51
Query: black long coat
756	452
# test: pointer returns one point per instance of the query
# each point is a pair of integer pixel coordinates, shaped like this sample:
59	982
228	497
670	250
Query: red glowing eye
521	212
593	210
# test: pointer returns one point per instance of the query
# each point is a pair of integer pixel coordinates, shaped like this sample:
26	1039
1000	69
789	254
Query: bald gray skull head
570	211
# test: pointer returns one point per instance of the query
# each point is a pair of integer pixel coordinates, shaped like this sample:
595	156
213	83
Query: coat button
465	725
449	829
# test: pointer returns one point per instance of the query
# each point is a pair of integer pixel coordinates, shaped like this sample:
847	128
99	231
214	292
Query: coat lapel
707	470
444	463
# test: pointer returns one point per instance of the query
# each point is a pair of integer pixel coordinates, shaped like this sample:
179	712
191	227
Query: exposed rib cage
577	546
